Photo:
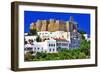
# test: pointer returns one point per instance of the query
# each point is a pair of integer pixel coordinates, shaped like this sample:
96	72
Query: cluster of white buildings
53	41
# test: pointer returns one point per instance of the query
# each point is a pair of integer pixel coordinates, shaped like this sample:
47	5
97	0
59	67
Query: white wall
5	27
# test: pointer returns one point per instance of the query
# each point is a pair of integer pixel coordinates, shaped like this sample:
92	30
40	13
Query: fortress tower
71	25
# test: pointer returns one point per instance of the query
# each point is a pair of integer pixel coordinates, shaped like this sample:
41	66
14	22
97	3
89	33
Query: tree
81	32
83	37
28	57
85	47
82	55
33	32
38	39
63	54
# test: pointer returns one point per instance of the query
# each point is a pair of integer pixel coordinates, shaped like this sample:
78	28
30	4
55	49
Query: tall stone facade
44	25
38	25
55	25
51	25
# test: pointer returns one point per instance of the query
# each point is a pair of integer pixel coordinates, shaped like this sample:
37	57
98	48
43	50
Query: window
49	44
57	44
42	48
34	48
38	48
64	44
29	48
50	50
53	49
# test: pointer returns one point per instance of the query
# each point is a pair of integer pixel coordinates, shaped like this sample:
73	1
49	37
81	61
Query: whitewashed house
62	43
40	47
44	34
30	37
51	46
28	47
53	41
48	46
57	34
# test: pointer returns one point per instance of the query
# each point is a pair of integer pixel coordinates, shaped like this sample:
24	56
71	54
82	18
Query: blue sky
83	20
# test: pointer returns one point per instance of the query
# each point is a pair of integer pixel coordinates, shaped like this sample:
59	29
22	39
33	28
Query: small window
42	48
34	48
38	48
29	48
50	50
57	44
53	49
49	44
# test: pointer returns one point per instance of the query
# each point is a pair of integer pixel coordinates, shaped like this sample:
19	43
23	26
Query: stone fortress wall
52	25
